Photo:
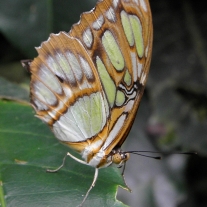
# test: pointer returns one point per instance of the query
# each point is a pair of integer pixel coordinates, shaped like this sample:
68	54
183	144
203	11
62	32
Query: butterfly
87	84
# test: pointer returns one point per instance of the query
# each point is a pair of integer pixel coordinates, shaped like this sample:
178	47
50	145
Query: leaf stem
2	200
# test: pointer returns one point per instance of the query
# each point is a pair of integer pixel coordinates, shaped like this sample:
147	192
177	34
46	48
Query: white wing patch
113	133
82	120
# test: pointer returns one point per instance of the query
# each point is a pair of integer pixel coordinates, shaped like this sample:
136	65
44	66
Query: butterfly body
87	84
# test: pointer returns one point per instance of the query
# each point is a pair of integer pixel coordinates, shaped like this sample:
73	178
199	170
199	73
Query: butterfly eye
120	157
117	158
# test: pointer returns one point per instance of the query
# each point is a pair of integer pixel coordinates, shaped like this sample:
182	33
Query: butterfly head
119	157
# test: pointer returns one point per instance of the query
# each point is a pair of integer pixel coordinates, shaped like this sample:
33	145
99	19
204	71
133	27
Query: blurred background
172	116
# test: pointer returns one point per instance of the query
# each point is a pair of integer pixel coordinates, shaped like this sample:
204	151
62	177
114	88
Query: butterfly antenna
159	157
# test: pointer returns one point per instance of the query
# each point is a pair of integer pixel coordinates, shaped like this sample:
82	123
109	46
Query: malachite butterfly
87	84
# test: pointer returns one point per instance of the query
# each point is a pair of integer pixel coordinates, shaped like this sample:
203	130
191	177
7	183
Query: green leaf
13	91
27	149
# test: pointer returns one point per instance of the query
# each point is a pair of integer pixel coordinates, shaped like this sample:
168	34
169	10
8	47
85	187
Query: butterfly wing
87	84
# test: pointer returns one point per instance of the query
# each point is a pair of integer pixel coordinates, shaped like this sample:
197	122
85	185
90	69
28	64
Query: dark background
173	112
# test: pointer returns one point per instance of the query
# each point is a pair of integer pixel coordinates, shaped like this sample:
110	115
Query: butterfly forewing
118	36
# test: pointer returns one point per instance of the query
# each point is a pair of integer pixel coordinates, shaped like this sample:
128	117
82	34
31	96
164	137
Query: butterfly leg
63	163
123	169
92	185
82	162
122	173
